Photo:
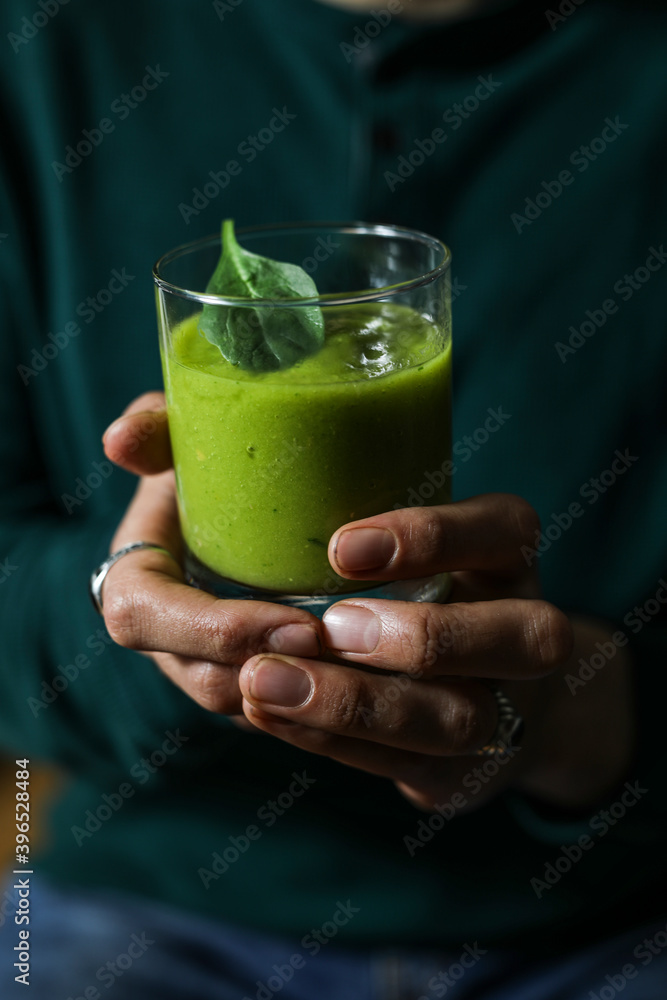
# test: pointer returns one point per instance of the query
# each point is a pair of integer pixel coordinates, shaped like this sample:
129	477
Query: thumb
138	441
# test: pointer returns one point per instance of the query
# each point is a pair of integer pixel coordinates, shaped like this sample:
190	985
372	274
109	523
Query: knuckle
214	687
352	705
221	636
434	633
550	636
465	725
425	638
123	618
525	518
426	532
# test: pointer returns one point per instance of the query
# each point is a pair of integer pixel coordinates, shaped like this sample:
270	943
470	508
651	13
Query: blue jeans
83	944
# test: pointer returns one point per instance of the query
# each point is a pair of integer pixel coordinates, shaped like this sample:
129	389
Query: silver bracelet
509	728
100	574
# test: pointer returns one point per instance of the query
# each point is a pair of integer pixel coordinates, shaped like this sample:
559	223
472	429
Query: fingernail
278	683
364	548
295	640
351	629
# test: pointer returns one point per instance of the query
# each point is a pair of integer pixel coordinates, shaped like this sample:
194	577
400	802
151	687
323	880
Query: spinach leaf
263	338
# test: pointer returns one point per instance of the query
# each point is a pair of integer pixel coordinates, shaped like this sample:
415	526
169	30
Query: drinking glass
269	464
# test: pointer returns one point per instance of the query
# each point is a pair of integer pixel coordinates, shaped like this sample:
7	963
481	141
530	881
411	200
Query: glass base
433	589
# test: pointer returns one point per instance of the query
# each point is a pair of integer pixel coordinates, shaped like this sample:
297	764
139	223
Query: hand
196	640
424	710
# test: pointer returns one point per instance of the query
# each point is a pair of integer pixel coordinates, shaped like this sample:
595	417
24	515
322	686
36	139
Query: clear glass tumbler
268	465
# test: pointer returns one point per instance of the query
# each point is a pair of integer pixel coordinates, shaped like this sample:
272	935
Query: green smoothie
270	464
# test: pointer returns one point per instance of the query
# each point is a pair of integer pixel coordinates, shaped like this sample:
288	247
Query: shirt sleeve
68	694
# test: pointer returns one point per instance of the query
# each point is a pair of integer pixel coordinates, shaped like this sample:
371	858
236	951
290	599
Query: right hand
198	641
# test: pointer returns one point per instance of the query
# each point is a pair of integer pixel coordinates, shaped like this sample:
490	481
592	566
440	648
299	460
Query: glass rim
330	299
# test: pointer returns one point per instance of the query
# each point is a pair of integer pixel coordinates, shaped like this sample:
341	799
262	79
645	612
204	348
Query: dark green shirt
536	151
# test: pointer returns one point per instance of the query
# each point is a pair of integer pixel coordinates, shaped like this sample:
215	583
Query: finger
508	638
218	685
146	608
432	717
138	440
482	534
197	641
426	780
385	762
152	516
214	686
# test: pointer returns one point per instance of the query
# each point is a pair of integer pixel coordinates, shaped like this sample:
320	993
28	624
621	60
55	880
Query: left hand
422	710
